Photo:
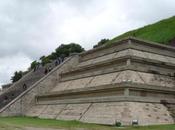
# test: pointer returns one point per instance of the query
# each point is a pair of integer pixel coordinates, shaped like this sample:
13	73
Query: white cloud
32	28
10	64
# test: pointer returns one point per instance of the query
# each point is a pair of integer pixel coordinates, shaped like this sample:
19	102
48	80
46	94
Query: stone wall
106	113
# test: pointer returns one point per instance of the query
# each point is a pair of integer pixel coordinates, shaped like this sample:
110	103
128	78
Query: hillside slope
161	32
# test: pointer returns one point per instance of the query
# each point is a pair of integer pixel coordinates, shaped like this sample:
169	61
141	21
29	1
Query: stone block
126	112
137	53
85	63
104	113
104	58
158	80
156	57
61	86
103	79
129	76
79	83
171	59
149	113
73	111
36	110
122	53
51	111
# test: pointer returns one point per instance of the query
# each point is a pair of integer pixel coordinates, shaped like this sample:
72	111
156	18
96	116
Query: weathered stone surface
73	111
151	114
103	79
129	76
36	110
85	63
79	83
171	60
122	53
103	113
156	57
125	112
158	80
97	60
61	86
137	53
104	58
51	111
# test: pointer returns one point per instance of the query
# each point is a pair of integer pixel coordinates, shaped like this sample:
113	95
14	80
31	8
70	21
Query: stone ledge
123	66
129	43
119	60
99	64
100	92
111	86
106	99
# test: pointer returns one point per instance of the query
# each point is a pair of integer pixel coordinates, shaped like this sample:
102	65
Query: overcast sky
32	28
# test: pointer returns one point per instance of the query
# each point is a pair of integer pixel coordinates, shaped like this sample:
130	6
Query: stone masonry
129	80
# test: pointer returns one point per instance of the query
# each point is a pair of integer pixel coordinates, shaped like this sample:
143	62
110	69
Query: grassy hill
162	32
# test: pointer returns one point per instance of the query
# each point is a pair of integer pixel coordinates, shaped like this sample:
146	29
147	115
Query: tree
34	64
42	57
65	50
52	56
17	75
101	42
45	60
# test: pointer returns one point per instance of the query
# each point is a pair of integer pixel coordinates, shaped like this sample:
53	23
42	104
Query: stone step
22	85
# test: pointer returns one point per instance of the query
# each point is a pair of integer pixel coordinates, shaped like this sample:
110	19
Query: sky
30	29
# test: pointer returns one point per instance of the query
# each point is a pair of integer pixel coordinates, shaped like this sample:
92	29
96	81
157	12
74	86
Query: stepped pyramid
130	80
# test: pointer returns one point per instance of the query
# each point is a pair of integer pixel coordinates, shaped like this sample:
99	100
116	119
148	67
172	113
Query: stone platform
129	80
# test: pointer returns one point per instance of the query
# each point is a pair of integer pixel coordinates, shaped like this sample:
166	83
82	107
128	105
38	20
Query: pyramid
129	81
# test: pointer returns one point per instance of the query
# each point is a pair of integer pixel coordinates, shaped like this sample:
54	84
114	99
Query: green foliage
162	32
118	124
34	64
45	60
17	75
101	42
62	51
65	50
52	56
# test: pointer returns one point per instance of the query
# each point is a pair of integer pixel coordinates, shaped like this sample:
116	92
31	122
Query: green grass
161	32
18	123
48	123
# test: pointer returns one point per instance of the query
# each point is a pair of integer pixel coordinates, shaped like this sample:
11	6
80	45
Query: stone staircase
23	84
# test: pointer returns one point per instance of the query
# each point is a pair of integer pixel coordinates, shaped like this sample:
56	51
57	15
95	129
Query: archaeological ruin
131	80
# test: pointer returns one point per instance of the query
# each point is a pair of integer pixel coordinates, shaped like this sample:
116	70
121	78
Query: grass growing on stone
20	123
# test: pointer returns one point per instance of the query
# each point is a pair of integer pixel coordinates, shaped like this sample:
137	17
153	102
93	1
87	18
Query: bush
118	124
